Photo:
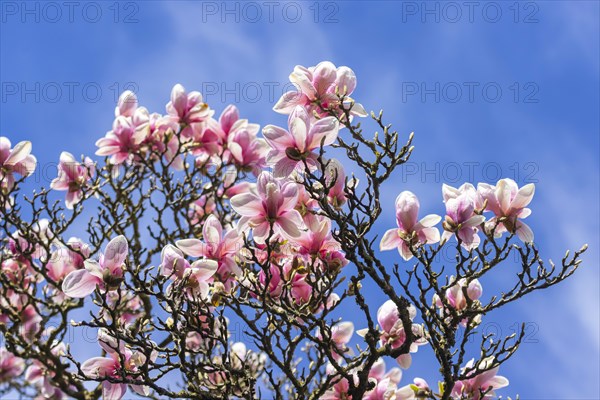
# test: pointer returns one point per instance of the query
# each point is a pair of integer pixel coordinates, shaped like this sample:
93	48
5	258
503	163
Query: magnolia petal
98	367
18	153
430	220
113	391
390	240
191	247
524	196
246	204
524	232
79	283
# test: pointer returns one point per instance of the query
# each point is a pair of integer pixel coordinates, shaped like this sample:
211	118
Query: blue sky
502	89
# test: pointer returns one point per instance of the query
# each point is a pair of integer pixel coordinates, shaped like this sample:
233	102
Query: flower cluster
204	219
464	219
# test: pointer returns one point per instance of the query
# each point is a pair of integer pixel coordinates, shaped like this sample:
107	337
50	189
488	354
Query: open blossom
341	334
335	179
17	160
194	277
189	110
455	294
290	149
247	150
318	242
409	392
393	334
487	381
11	366
72	177
340	389
67	258
509	204
228	123
410	231
111	366
217	246
461	217
385	382
271	204
105	273
41	377
286	280
318	85
125	138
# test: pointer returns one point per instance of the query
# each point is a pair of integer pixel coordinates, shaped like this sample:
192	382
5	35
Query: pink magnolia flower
111	367
509	204
73	176
17	160
461	217
218	246
229	122
125	138
127	104
316	85
41	377
67	258
409	392
270	205
393	334
455	294
486	381
410	231
11	366
271	281
105	273
30	323
386	382
340	337
129	304
188	109
340	389
195	277
290	149
247	150
335	178
317	242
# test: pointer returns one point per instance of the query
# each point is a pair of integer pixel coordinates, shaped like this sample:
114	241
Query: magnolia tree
191	223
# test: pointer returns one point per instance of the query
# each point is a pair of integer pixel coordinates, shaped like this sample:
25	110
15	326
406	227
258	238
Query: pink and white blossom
16	160
73	177
411	231
194	278
509	204
393	333
106	273
296	146
462	220
409	392
487	381
67	258
317	86
11	366
222	247
111	366
189	110
271	205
